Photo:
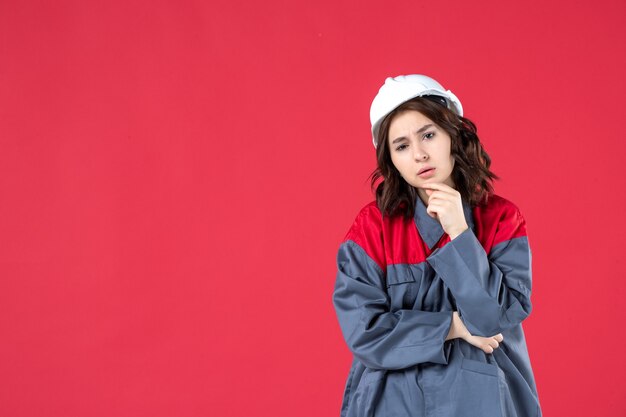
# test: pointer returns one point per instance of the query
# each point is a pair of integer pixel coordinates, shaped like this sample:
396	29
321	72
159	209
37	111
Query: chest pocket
403	282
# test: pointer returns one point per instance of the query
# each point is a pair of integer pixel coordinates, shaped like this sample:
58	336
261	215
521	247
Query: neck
423	196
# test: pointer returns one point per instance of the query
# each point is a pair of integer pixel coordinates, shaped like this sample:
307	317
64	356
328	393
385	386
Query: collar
430	229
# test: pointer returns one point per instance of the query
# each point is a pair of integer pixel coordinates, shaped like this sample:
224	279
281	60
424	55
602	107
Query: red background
176	177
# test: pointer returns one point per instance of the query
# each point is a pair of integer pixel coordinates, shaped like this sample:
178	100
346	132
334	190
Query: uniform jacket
398	283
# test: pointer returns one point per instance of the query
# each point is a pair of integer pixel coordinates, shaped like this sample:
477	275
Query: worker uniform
398	283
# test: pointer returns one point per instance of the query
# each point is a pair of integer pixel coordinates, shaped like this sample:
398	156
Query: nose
419	154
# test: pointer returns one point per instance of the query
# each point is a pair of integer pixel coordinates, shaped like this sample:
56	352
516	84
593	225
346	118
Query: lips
427	173
424	170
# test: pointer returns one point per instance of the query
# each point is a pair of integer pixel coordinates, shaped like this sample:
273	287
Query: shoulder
369	214
367	232
507	216
367	221
501	205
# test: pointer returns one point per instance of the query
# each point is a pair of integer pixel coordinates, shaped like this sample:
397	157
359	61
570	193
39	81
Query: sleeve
492	291
378	337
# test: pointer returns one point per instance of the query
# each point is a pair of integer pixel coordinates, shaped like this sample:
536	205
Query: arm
492	292
378	337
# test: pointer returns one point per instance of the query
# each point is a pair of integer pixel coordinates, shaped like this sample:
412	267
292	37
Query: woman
434	276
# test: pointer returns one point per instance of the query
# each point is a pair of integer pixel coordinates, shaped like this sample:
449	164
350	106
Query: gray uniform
397	285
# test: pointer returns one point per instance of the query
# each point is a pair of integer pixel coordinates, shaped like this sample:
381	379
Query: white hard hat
402	88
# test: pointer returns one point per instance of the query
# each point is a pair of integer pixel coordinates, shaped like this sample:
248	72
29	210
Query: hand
487	344
458	330
446	206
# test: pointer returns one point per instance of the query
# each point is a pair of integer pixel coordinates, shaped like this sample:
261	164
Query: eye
426	136
401	147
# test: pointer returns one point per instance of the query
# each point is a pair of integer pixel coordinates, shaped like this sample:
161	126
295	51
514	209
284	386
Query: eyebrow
429	125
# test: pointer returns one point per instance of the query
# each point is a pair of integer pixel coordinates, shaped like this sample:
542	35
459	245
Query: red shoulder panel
367	232
404	243
499	221
393	240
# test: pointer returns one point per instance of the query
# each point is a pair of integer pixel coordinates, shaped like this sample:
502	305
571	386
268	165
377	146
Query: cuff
459	260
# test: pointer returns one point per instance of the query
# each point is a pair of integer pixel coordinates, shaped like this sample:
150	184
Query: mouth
421	171
427	173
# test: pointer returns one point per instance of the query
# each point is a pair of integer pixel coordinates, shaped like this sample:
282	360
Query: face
416	142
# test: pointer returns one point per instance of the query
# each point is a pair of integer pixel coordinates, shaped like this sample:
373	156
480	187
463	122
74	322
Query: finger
433	185
442	195
440	204
432	214
439	186
433	209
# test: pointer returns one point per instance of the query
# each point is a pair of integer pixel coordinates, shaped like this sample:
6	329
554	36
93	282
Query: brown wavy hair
471	174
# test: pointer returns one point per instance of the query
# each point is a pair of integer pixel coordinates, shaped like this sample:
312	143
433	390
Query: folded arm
492	291
378	337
